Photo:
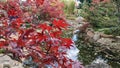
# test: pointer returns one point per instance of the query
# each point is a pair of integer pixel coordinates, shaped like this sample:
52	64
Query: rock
116	46
106	41
7	62
118	37
4	12
98	65
96	36
90	34
79	19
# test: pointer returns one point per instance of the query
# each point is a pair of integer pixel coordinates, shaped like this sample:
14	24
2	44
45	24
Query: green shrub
69	6
104	18
103	15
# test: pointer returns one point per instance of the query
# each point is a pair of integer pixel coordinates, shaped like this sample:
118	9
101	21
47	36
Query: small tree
23	34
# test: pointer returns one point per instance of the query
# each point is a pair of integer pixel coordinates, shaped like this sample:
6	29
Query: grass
69	6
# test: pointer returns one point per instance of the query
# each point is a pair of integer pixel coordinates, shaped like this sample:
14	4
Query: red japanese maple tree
24	35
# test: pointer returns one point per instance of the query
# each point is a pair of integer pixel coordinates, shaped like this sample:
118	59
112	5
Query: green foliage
113	30
102	15
2	50
90	50
86	54
67	34
69	6
87	50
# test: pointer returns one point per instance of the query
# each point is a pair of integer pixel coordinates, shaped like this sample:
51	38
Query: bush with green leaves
69	6
102	15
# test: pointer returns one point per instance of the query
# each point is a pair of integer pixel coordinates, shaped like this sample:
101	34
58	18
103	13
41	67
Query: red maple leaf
60	24
20	42
28	31
41	37
67	42
2	43
17	22
56	34
39	2
45	27
12	12
55	49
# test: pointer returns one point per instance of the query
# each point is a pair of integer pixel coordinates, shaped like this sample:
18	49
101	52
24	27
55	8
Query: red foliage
52	9
98	1
43	42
